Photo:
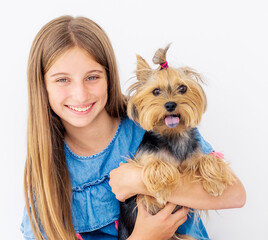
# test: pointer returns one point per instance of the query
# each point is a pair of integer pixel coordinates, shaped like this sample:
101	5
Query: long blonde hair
47	185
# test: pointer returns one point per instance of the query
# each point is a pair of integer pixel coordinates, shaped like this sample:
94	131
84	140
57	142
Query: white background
224	40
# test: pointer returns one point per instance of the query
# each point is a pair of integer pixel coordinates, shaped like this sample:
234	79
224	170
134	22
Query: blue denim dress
94	207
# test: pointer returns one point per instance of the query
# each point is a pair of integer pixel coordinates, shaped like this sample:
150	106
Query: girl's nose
80	92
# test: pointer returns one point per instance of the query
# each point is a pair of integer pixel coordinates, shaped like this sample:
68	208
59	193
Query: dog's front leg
159	176
214	173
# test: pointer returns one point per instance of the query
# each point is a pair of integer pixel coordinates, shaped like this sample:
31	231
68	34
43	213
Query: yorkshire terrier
169	103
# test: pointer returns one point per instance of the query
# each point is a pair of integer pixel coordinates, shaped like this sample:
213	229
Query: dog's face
166	101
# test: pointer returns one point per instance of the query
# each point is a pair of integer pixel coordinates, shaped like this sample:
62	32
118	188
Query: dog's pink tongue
172	121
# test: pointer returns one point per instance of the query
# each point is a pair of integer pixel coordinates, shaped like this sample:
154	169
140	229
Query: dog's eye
156	92
182	89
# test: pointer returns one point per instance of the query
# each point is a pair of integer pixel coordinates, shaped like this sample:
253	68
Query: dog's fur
168	152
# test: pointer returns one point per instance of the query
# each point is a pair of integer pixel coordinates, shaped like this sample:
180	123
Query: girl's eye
62	80
92	78
156	92
182	89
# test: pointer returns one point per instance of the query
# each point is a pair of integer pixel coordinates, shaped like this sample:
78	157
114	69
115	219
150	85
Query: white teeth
80	109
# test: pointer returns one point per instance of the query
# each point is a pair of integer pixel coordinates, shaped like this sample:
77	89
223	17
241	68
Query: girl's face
77	88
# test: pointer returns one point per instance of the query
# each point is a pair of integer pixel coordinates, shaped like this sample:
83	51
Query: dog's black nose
170	106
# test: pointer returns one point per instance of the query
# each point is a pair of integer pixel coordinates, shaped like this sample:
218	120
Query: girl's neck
92	139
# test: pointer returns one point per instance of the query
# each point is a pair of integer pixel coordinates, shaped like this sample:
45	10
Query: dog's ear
190	72
194	75
132	111
143	71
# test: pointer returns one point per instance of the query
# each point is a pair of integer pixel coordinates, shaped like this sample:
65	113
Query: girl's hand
126	181
161	226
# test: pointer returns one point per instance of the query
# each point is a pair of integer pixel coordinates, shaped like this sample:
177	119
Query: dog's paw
160	177
214	173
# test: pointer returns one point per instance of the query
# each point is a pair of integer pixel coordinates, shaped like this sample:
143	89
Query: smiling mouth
80	109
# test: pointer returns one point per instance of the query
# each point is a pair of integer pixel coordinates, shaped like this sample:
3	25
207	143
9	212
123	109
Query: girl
78	132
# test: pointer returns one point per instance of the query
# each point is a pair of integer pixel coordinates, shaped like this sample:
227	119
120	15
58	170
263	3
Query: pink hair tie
79	236
218	155
164	65
116	224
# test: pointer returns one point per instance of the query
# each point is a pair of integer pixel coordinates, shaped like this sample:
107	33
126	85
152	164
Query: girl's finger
141	208
168	209
181	213
180	222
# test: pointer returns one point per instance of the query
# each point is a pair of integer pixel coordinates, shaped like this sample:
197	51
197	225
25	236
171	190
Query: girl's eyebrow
95	70
64	73
60	73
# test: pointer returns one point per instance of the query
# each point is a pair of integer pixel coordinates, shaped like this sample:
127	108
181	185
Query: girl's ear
143	71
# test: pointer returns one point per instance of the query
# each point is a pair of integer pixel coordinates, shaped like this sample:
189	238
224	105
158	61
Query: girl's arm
192	194
126	182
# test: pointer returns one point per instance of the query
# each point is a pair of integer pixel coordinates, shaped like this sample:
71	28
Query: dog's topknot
160	55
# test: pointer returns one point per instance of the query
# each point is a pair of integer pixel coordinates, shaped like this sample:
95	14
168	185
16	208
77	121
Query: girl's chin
77	124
